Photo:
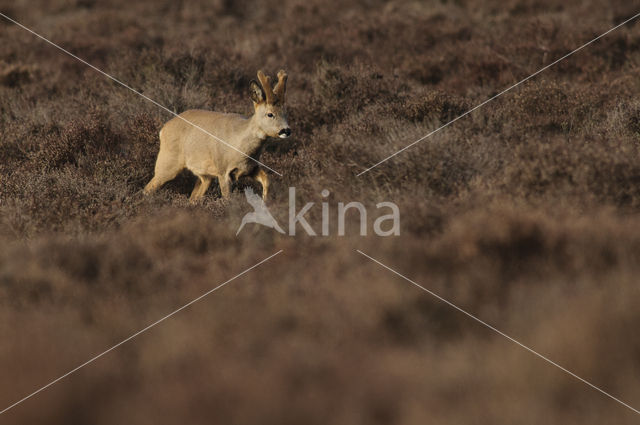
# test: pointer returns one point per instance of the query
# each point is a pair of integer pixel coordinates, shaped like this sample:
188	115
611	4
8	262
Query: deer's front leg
225	185
261	177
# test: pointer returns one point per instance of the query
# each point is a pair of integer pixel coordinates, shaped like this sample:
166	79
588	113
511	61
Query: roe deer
183	145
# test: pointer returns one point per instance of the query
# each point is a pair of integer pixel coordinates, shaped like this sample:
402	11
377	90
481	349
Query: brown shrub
524	212
14	75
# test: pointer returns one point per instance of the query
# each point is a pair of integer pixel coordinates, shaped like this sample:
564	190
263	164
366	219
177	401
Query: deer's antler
280	88
266	86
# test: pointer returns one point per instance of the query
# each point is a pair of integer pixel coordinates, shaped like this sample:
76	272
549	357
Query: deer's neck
254	128
253	132
252	137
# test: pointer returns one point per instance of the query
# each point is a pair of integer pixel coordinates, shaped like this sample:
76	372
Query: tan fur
182	145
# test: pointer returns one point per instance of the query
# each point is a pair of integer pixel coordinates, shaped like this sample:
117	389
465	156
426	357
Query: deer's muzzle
284	133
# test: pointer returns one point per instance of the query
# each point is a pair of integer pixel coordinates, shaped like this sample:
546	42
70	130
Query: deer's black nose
285	132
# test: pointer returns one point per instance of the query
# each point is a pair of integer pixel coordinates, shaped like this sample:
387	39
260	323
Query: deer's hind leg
200	188
167	168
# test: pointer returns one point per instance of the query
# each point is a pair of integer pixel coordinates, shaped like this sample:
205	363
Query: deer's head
270	112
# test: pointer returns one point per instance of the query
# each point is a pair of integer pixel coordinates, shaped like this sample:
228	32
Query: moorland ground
525	213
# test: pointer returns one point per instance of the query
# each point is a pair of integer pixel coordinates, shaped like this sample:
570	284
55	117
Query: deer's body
184	144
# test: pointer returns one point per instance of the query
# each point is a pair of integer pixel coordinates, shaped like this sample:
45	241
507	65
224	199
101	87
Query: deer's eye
270	115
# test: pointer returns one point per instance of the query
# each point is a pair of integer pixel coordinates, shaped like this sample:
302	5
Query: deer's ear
257	94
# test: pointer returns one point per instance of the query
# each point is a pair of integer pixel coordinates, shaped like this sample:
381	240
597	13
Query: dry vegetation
526	213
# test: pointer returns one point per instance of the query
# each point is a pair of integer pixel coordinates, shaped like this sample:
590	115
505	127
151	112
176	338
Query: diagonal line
138	93
500	332
137	333
498	95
